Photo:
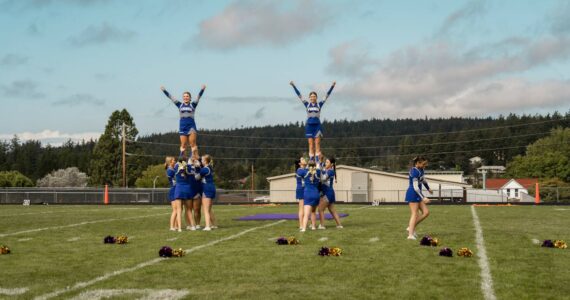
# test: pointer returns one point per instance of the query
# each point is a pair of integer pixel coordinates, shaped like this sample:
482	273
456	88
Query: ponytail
333	163
418	159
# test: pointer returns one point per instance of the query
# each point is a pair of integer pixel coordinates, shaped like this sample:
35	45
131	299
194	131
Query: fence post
557	195
537	195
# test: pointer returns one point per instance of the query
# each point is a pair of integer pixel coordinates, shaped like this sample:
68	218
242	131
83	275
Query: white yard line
81	285
374	239
13	292
486	279
78	224
70	210
323	239
147	293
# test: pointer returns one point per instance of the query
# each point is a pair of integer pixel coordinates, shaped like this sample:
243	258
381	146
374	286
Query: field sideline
58	253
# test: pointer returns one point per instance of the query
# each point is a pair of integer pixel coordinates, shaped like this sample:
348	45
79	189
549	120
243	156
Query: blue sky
65	65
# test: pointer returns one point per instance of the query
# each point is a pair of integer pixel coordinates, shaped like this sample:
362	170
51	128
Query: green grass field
57	252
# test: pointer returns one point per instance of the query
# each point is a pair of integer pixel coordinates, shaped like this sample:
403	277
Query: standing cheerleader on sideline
206	175
328	200
415	197
181	190
313	130
187	127
171	173
311	195
194	205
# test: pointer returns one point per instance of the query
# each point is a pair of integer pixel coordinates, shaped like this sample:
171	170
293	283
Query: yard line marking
69	210
25	239
73	239
486	279
13	292
85	284
323	239
535	241
374	239
147	293
357	208
78	224
172	239
561	209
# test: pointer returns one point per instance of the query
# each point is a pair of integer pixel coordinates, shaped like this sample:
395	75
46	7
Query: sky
66	65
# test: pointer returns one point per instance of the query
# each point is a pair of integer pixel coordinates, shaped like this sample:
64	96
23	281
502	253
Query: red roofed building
512	188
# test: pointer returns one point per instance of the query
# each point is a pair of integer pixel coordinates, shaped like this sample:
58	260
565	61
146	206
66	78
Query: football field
57	252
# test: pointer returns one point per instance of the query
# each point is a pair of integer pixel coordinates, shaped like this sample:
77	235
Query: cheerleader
171	173
206	175
181	190
187	126
311	177
193	205
415	197
328	199
299	192
313	130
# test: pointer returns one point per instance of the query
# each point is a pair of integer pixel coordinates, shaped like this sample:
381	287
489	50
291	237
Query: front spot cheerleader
171	173
311	177
313	130
415	197
300	190
206	175
194	205
187	127
181	190
328	200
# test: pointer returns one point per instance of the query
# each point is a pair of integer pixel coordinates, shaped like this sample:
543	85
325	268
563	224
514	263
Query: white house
365	185
514	189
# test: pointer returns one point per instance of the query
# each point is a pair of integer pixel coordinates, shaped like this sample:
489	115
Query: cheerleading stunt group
191	178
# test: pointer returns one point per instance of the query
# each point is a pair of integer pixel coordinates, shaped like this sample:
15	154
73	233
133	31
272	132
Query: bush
14	179
70	177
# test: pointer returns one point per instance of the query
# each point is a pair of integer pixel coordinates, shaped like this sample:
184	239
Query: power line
372	156
388	136
350	148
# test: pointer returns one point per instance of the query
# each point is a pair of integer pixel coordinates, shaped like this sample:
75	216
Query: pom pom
429	241
446	252
324	251
292	241
548	244
465	252
426	241
434	242
4	250
109	240
122	239
178	252
282	241
165	252
335	251
560	244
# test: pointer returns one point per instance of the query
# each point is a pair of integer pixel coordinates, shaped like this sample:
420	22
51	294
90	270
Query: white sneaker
302	230
411	237
214	227
414	233
191	228
172	229
198	227
339	227
321	227
179	230
313	228
207	229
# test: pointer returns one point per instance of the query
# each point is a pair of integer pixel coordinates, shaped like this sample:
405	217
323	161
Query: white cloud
274	23
101	34
52	137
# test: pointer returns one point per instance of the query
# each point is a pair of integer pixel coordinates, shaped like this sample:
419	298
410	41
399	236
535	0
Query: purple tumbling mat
260	217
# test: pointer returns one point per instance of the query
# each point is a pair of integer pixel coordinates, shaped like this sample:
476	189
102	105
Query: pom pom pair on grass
429	241
334	251
287	241
121	239
166	251
463	252
560	244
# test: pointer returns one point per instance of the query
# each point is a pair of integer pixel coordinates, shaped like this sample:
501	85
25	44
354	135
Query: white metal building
365	185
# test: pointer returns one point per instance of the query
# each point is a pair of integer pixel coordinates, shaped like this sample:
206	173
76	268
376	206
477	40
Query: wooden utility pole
252	178
124	156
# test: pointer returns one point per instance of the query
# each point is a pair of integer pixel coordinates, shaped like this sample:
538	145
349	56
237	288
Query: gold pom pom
434	242
560	244
4	250
292	241
178	252
335	251
465	252
122	239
